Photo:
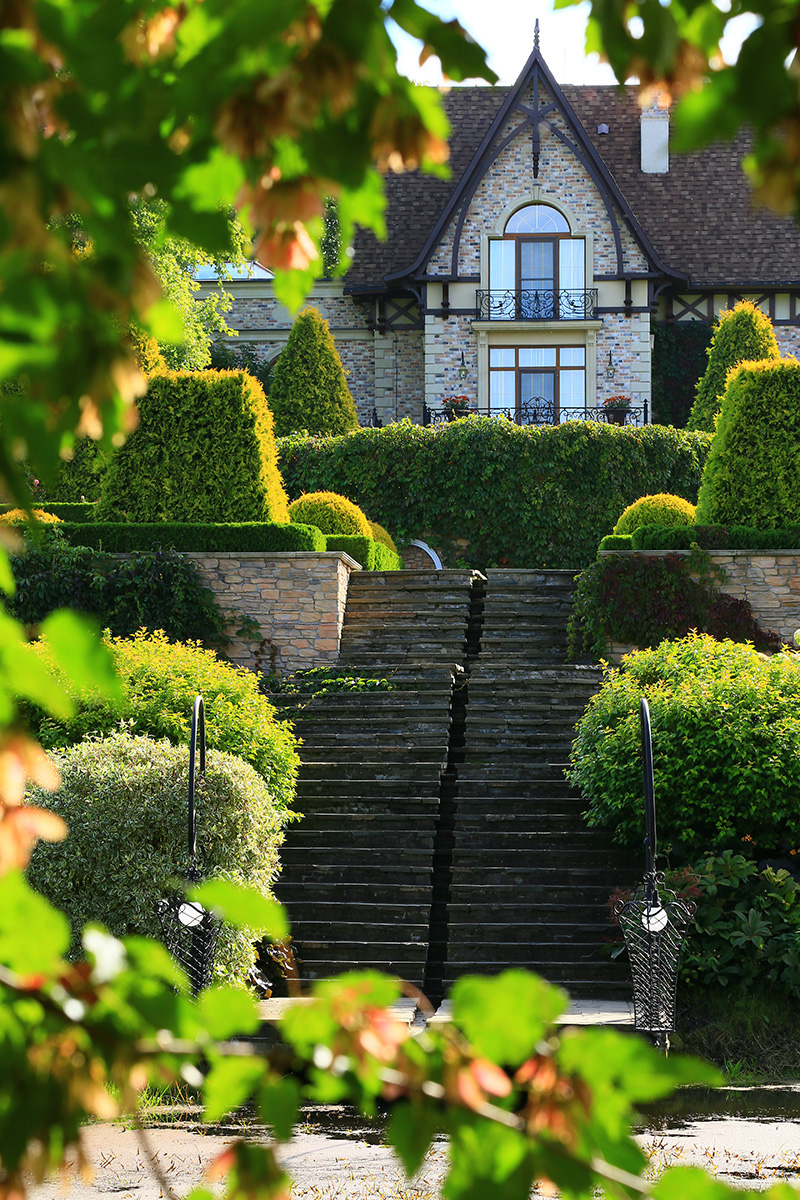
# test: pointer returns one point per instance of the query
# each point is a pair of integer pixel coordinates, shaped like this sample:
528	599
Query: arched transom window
536	269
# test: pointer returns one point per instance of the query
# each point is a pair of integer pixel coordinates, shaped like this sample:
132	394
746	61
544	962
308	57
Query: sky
505	30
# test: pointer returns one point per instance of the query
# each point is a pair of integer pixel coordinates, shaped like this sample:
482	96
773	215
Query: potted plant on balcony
615	408
457	406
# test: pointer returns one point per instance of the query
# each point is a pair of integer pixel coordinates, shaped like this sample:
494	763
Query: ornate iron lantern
189	931
653	921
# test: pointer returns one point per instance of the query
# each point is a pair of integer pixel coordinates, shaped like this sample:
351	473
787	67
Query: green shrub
635	600
680	356
79	479
160	680
124	800
37	516
741	334
526	497
246	536
156	589
752	476
331	513
383	536
616	543
746	930
726	747
373	556
661	509
716	537
309	389
204	451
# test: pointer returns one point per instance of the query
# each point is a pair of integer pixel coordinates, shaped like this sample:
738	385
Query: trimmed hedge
371	554
618	541
536	496
67	512
124	800
252	536
741	334
752	476
204	451
712	537
661	509
383	536
309	386
726	747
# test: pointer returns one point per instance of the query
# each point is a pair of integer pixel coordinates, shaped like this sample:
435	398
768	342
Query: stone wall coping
711	553
311	556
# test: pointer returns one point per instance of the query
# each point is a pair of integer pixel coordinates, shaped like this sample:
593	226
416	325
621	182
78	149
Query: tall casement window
538	385
536	270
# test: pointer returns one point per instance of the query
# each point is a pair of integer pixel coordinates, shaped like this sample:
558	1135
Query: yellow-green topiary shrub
204	451
383	536
752	476
18	516
331	513
661	509
741	334
309	386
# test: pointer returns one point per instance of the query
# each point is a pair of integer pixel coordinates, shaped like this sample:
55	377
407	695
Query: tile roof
699	217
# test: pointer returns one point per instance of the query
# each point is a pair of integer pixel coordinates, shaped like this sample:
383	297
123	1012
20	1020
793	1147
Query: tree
674	49
309	389
741	334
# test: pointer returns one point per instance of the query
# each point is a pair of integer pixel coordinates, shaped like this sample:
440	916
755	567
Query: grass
753	1036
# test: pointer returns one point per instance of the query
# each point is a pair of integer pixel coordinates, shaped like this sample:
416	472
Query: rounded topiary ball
383	536
331	513
661	509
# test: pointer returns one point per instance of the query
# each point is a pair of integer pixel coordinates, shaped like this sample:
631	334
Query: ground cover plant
527	497
159	681
726	747
154	589
204	451
124	801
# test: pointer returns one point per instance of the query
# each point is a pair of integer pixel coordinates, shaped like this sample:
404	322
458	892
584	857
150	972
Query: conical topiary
752	476
309	389
204	451
741	334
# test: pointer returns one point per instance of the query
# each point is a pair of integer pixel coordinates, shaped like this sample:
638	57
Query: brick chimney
655	140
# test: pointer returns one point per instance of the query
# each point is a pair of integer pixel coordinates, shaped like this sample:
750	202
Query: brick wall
296	599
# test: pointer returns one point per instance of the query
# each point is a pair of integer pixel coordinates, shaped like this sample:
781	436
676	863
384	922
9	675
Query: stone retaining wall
297	600
769	581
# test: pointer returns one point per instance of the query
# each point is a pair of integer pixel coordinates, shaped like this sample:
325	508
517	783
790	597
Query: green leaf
7	582
26	674
226	1012
278	1102
228	1084
243	907
211	184
693	1183
506	1016
34	936
411	1129
77	648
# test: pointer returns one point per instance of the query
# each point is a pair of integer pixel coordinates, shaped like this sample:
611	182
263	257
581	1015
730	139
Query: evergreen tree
741	334
309	389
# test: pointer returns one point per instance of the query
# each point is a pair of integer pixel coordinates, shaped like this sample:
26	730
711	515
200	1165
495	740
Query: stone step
305	894
342	873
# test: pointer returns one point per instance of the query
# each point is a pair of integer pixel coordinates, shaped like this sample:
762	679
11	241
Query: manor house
529	280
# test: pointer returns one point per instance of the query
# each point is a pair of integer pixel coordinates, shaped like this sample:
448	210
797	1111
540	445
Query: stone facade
296	600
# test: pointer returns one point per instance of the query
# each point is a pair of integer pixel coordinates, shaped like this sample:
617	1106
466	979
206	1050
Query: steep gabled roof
697	221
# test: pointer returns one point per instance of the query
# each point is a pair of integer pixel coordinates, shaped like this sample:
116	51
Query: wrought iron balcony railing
564	305
539	411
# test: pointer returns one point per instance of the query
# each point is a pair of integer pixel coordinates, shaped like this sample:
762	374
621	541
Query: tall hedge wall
204	451
526	497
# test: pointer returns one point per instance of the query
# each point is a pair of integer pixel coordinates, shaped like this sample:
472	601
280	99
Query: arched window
536	270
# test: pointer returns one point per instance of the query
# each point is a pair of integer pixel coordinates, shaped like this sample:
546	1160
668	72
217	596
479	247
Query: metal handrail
198	728
535	304
536	411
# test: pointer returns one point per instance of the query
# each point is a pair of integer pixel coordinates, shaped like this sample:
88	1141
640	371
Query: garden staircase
357	877
439	834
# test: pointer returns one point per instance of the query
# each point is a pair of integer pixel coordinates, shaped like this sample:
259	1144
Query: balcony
564	305
542	411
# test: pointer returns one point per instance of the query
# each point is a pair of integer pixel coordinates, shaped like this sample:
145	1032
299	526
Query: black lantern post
653	921
190	932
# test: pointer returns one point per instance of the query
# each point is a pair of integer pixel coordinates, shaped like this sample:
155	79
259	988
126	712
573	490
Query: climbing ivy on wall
679	359
489	493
